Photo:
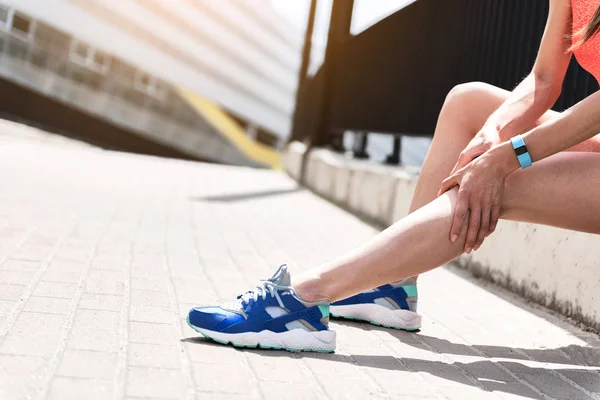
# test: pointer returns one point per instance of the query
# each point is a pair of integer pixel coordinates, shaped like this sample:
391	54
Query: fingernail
476	248
454	237
469	250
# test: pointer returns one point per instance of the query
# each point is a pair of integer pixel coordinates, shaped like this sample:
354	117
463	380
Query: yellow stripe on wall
229	128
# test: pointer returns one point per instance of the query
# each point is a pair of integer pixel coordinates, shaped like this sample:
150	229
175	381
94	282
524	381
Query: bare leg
559	191
465	110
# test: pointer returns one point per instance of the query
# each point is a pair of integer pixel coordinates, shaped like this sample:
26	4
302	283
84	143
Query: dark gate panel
395	76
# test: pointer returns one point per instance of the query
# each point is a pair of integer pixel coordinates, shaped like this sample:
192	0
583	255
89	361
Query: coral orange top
587	55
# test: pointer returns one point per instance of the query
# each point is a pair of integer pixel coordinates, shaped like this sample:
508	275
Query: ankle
308	288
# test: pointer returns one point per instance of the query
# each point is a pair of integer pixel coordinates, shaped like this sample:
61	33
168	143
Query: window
81	50
150	85
100	58
145	81
22	26
86	56
51	40
159	90
99	61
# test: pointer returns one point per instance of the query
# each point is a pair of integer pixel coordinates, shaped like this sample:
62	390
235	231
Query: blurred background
234	81
200	79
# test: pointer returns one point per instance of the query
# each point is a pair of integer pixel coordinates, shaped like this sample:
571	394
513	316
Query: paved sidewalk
102	254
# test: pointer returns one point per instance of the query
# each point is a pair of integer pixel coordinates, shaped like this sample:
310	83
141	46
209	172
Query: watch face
521	150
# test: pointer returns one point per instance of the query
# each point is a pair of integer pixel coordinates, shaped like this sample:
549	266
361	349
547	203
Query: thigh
589	146
465	111
562	190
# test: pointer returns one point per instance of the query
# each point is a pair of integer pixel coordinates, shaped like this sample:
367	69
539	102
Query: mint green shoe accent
324	310
411	291
345	317
292	350
269	347
219	341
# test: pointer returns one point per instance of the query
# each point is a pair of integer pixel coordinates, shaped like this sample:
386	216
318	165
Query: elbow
548	88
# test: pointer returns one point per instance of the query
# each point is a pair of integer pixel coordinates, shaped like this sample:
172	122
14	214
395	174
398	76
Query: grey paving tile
102	315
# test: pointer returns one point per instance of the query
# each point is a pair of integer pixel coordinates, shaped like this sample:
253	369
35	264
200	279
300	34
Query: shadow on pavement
494	373
230	198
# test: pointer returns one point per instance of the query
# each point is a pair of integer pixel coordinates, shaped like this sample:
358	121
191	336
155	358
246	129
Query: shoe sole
294	341
375	314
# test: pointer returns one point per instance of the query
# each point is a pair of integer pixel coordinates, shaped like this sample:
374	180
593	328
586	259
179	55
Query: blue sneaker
392	306
271	316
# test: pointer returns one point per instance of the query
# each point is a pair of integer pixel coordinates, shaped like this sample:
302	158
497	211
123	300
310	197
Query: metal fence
393	78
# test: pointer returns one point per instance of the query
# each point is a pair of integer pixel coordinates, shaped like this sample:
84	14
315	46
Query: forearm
524	106
575	125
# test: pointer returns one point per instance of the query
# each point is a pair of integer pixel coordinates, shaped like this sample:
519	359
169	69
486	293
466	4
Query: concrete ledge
365	188
557	268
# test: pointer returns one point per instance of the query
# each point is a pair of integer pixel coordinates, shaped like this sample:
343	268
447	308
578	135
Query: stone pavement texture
103	253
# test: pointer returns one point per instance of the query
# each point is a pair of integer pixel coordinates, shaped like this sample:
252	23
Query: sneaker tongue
282	276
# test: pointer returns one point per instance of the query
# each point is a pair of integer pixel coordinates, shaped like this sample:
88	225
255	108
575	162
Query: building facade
152	56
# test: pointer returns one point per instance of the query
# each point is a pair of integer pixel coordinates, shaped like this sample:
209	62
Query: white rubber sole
295	340
379	315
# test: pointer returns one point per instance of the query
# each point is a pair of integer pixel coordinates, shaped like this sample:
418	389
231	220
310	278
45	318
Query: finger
448	184
459	163
460	215
457	166
473	229
466	157
485	226
494	217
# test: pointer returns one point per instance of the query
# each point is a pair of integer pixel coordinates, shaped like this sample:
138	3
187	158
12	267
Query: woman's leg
560	191
464	112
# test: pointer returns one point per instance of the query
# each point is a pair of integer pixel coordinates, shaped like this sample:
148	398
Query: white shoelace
266	287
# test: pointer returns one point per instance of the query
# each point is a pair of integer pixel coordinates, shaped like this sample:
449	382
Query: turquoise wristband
521	150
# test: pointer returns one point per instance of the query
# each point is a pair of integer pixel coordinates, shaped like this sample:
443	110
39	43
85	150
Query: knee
467	107
466	94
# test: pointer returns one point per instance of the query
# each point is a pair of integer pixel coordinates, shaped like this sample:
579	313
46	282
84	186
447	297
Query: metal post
306	51
396	157
339	31
337	142
361	140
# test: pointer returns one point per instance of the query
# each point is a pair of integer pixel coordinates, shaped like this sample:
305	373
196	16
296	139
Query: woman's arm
575	125
484	164
535	95
540	90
